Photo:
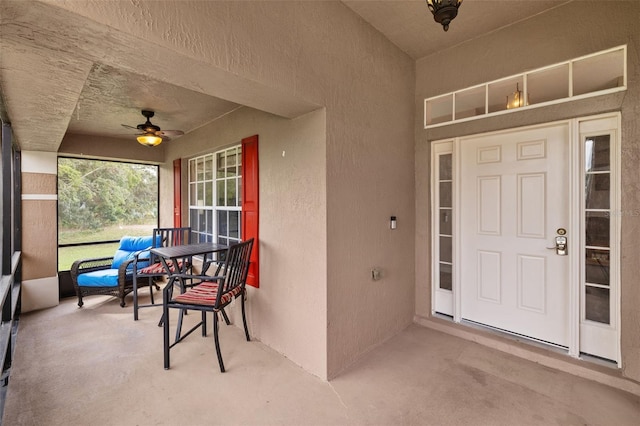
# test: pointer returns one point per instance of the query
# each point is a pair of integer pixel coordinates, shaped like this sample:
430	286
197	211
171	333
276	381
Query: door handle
561	246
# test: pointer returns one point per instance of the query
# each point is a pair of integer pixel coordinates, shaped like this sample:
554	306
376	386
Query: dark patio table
188	250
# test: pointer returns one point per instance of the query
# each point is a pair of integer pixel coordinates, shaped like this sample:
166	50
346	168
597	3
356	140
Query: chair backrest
235	268
169	237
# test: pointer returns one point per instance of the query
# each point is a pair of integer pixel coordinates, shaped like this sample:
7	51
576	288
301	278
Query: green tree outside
104	200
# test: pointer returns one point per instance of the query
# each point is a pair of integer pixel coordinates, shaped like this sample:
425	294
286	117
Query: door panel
514	199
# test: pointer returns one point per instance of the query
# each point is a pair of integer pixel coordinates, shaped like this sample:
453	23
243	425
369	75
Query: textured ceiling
54	78
411	27
112	97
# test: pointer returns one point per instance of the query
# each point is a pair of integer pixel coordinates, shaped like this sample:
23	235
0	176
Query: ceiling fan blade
170	133
129	127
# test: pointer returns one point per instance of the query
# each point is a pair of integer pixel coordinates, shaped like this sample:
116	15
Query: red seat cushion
158	268
205	294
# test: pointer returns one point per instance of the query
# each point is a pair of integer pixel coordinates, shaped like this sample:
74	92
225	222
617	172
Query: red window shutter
250	204
177	195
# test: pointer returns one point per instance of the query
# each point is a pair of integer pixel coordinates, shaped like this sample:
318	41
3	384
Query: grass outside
68	255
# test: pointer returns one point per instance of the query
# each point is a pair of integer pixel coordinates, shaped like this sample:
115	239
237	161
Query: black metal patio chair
210	294
152	269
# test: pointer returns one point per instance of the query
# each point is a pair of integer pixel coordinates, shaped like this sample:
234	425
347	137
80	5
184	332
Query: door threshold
517	337
520	338
549	356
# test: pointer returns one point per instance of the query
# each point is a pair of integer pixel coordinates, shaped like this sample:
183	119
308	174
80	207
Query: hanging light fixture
149	139
444	11
152	135
516	99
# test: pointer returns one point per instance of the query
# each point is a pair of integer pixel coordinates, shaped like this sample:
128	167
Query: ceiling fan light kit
444	11
149	139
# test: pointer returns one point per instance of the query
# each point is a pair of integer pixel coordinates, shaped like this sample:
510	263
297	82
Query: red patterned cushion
158	268
206	293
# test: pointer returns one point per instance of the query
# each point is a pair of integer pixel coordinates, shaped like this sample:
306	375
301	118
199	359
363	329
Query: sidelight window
597	229
443	227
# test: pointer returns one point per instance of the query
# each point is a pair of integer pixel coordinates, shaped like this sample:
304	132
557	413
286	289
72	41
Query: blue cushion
135	243
120	257
129	246
103	278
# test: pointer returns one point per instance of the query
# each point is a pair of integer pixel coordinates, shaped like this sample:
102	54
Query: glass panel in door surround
599	72
597	153
445	221
501	91
446	279
597	267
548	84
597	304
470	102
597	193
439	110
597	229
445	194
445	169
446	252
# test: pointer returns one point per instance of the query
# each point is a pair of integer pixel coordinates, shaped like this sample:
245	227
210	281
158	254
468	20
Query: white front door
515	198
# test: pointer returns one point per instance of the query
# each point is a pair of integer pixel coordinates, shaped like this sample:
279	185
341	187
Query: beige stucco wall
84	146
291	58
288	311
39	207
569	31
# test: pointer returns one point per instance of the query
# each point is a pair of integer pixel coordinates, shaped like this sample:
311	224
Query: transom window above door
596	74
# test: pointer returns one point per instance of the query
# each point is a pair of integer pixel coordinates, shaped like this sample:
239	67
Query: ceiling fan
151	134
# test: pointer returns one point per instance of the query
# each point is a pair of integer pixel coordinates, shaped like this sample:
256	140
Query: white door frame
574	231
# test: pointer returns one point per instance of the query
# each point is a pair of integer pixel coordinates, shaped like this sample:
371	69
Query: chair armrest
206	265
137	258
122	272
128	266
136	255
168	290
89	265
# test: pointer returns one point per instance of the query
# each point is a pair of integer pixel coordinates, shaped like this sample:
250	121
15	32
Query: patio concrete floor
97	366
